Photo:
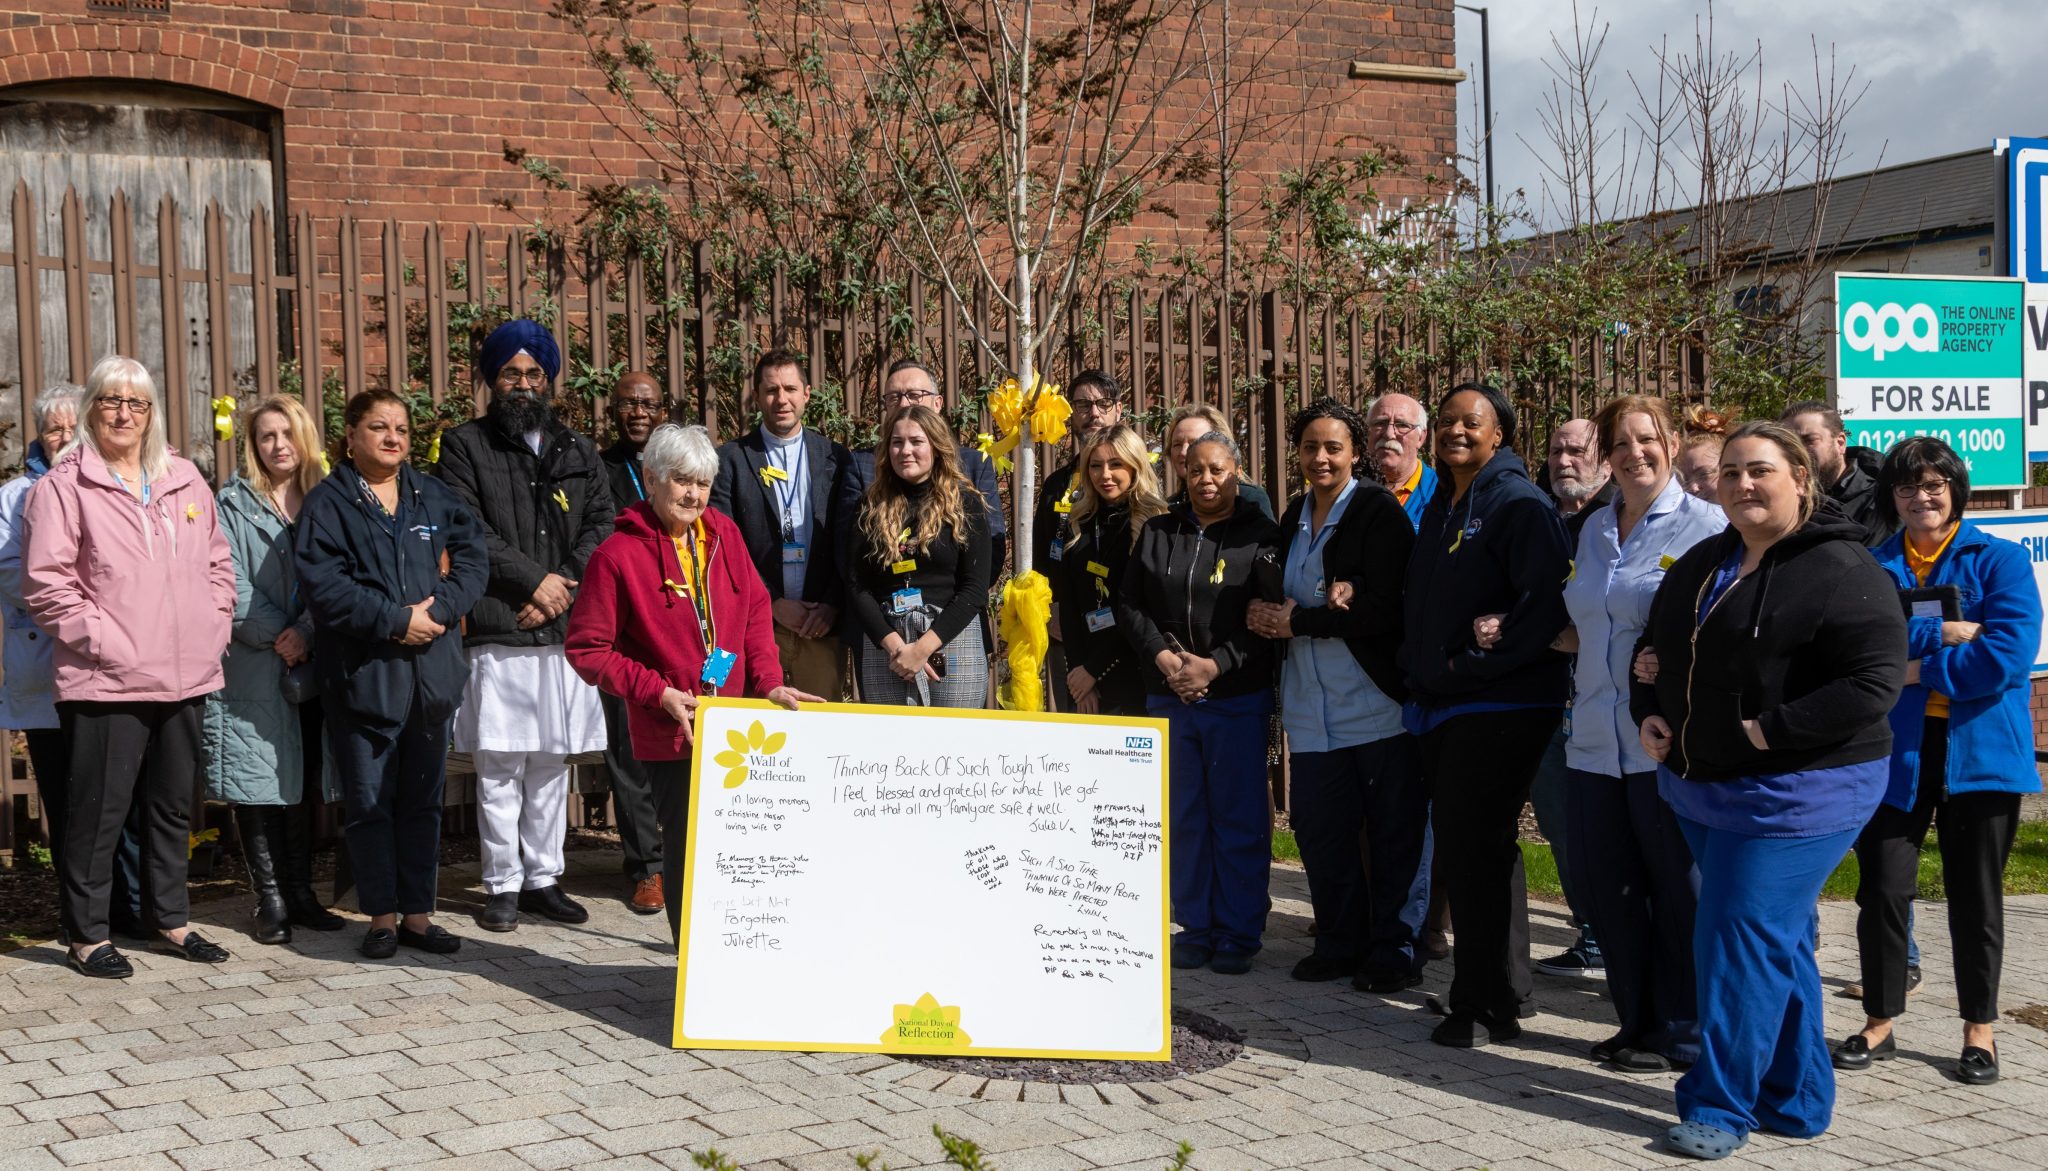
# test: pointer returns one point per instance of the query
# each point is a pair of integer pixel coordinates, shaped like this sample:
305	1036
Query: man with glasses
780	483
638	406
1397	427
542	496
1098	406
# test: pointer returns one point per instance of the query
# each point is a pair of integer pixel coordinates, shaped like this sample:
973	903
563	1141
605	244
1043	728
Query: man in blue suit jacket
782	483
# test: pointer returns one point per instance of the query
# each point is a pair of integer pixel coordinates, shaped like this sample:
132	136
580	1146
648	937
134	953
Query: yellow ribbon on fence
224	418
434	449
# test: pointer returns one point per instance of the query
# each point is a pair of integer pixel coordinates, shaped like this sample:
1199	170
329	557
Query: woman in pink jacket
128	571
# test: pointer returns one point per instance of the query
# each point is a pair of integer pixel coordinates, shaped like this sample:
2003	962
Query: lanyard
370	494
789	489
638	487
700	592
118	479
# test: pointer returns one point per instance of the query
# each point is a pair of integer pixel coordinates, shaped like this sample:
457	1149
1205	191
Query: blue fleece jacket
1990	731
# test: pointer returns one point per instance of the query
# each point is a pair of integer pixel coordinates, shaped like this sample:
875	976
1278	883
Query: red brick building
405	108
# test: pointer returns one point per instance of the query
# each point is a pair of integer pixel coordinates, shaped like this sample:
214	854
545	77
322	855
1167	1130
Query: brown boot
647	898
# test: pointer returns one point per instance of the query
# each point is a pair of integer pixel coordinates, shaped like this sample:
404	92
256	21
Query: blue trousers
1636	879
1764	1062
391	792
1221	832
1361	817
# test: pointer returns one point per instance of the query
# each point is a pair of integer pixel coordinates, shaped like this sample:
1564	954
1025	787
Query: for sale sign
1940	356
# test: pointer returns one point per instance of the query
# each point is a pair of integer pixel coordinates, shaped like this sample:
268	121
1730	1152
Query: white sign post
880	879
2026	232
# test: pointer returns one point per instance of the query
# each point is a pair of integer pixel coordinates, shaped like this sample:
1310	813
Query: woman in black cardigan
919	553
1355	779
1119	493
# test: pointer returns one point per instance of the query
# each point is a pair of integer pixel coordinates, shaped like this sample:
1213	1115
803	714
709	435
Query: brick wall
405	107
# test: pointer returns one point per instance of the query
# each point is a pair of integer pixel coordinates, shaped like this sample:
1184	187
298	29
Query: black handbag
301	683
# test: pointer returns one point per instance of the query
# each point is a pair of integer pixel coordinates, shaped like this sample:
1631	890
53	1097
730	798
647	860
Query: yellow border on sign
1165	1051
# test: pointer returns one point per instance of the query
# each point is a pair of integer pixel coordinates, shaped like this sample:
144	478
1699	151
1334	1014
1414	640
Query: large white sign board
881	879
2030	530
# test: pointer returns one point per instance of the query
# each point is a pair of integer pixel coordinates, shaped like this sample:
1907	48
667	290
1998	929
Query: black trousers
1361	817
1479	768
1637	882
391	795
1977	832
126	756
671	783
633	797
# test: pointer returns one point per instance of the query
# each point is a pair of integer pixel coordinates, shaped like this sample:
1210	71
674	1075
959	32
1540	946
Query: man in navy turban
545	502
513	338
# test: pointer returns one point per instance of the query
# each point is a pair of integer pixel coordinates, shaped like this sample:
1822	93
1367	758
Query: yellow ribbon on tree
1023	621
224	418
434	449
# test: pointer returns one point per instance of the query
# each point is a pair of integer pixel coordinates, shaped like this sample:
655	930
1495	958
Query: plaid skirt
965	684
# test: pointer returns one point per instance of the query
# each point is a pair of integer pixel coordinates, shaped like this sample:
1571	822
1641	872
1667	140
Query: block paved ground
546	1048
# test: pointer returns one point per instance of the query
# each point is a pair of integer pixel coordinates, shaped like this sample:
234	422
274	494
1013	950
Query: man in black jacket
637	407
1848	474
541	494
780	483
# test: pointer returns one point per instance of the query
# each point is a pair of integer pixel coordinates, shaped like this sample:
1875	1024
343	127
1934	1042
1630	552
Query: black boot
297	878
261	827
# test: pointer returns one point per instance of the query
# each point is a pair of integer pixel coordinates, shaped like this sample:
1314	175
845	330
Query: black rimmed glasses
1933	489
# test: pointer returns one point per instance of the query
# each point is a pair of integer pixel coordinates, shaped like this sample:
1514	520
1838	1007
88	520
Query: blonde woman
1190	423
920	563
128	572
263	735
1119	492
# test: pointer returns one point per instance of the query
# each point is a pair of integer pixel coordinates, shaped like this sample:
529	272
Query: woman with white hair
671	608
128	571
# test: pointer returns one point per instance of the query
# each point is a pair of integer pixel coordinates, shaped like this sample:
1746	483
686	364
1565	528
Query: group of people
1718	657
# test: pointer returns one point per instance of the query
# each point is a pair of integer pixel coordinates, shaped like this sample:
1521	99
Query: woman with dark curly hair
1357	793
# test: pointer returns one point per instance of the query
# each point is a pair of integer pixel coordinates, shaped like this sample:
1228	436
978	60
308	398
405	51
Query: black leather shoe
1605	1050
1857	1053
500	913
1467	1030
436	939
196	948
105	963
551	902
379	943
1640	1061
307	911
1978	1067
1314	969
1385	983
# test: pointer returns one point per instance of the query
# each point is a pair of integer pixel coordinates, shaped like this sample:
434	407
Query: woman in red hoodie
671	608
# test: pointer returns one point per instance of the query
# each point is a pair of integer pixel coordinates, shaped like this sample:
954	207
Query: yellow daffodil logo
757	742
925	1025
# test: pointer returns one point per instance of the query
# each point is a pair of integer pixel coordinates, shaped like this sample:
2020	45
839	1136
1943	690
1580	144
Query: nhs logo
1137	742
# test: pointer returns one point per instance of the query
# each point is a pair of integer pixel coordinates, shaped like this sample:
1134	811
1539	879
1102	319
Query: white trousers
523	803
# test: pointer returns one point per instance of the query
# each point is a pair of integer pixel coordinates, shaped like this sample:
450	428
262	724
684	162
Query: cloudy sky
1941	77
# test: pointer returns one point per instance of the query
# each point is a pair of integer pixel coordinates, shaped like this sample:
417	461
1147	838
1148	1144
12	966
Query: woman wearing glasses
128	571
1962	749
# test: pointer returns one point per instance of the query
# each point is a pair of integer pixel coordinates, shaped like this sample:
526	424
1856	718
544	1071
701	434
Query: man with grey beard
544	501
1577	475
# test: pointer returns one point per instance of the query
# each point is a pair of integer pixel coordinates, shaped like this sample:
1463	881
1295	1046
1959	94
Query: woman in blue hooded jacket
1962	749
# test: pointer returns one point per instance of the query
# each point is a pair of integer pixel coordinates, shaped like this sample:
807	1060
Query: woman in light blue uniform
1639	882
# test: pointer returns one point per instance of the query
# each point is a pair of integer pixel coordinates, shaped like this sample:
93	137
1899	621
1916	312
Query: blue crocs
1702	1141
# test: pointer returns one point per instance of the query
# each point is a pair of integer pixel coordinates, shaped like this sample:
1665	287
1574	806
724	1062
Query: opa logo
1137	742
1889	327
